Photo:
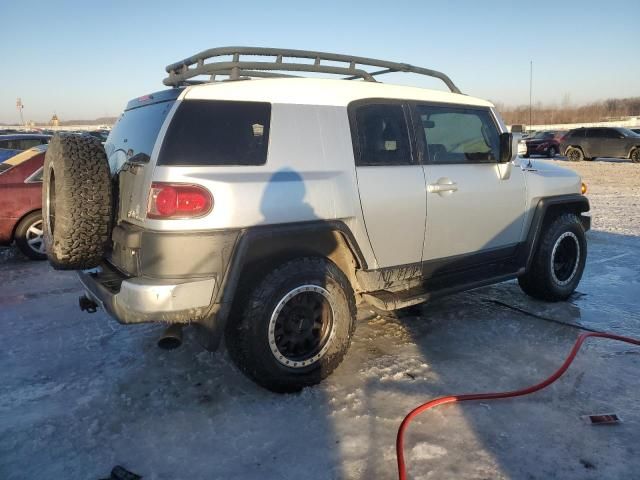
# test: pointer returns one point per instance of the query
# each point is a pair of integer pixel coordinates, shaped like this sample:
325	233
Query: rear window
134	134
212	132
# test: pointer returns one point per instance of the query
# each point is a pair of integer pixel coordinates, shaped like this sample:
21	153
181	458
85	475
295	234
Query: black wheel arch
261	248
548	209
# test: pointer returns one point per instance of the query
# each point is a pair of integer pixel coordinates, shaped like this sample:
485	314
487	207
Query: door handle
442	186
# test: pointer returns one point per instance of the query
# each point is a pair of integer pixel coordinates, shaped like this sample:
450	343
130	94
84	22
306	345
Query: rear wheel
558	263
29	236
574	154
635	155
295	326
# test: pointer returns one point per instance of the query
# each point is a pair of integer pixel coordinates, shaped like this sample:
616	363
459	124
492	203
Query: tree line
611	109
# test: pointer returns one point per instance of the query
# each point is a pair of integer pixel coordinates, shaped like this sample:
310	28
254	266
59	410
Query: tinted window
611	133
208	132
135	133
576	133
459	135
383	136
37	176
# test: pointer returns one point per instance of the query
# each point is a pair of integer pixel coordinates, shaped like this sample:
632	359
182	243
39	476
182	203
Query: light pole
20	106
530	93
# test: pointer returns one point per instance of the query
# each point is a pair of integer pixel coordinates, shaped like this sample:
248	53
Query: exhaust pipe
171	337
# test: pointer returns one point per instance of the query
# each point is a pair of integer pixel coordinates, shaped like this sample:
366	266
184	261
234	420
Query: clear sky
85	59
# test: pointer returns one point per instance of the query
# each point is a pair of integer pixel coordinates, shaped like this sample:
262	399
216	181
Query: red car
21	202
546	142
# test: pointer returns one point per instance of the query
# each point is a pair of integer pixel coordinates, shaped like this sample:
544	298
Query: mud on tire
76	201
253	339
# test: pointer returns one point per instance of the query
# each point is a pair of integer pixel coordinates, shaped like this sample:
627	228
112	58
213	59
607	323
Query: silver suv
265	209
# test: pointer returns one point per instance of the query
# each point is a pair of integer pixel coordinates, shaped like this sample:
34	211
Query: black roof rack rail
181	72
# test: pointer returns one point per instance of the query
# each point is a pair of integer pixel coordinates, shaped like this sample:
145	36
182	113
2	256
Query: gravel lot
80	393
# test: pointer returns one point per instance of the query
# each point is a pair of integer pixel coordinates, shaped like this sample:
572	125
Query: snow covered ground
80	393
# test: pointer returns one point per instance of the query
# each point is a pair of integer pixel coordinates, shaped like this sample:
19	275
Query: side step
385	300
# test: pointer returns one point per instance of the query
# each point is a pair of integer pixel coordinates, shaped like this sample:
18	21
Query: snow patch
427	451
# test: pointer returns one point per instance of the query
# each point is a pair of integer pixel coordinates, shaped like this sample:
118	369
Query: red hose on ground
402	472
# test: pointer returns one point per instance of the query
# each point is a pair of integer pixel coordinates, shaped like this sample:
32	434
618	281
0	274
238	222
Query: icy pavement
80	393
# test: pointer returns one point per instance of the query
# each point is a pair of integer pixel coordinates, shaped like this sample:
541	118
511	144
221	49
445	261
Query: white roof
318	91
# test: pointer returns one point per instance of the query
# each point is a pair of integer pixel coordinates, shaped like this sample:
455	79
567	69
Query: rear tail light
178	200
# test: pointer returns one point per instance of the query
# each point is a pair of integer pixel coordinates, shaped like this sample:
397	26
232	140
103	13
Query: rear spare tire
76	201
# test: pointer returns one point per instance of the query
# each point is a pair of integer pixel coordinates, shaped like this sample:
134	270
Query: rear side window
459	135
135	133
383	136
212	132
576	134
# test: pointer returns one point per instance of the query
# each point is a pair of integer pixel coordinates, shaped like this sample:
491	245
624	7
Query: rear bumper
139	299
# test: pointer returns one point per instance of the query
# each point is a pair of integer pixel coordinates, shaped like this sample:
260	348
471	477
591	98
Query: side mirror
507	152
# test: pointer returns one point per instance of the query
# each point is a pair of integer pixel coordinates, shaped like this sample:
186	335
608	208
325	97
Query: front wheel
552	152
295	325
559	260
635	156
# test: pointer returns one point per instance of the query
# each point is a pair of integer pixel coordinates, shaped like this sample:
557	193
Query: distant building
55	122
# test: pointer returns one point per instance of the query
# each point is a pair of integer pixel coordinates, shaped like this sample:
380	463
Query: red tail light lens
178	200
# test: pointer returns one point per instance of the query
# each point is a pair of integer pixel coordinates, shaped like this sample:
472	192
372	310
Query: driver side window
458	135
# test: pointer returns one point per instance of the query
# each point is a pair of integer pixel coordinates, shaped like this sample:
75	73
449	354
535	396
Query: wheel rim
552	152
574	155
34	237
302	326
51	204
565	258
635	156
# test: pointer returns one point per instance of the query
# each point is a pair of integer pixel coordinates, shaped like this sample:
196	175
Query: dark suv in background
545	142
590	143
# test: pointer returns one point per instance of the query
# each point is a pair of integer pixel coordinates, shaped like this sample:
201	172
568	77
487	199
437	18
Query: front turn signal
583	188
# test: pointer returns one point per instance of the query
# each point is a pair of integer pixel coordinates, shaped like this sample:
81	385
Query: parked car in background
21	202
590	143
544	142
12	144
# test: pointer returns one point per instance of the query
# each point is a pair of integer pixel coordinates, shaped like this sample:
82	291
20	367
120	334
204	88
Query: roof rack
181	72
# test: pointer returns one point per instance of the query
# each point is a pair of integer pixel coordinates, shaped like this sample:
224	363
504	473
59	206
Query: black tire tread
535	281
82	202
252	306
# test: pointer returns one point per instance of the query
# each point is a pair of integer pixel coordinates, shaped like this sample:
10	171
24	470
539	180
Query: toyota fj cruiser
264	208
